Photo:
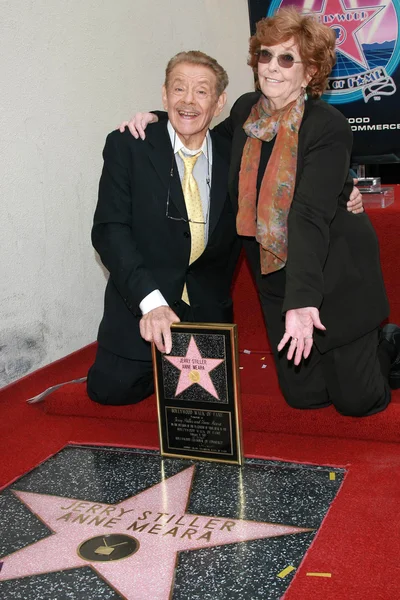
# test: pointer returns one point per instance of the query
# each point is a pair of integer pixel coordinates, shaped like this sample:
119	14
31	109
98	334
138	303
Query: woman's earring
305	94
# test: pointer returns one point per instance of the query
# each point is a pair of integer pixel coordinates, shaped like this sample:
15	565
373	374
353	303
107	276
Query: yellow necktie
194	210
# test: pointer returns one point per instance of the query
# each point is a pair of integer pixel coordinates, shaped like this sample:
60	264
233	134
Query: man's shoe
391	333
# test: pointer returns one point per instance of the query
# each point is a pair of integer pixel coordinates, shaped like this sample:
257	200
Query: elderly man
165	229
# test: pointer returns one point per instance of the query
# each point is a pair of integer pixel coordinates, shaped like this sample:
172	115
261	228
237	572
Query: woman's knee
363	406
298	398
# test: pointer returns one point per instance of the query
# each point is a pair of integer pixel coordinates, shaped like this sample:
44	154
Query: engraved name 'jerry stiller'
156	523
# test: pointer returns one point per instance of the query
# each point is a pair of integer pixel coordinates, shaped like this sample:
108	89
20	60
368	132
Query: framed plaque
197	387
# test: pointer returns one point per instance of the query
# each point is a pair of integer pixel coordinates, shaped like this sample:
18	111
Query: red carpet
359	541
263	406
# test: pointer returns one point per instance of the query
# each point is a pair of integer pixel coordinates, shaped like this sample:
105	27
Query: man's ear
164	97
220	104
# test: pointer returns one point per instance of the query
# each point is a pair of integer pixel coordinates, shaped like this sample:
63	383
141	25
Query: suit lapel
302	140
219	181
163	161
161	157
238	143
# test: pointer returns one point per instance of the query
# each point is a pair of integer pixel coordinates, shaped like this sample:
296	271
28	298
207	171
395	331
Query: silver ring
294	339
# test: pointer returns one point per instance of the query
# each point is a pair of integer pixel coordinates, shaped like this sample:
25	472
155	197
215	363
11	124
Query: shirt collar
180	146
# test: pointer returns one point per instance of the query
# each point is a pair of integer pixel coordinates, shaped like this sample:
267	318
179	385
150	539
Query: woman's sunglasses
286	61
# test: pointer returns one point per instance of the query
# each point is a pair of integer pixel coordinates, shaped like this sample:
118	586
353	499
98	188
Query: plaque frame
221	417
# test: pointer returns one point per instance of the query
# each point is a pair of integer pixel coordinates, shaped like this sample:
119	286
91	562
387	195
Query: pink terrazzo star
156	518
194	369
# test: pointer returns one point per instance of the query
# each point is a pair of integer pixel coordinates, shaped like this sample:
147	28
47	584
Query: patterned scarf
267	220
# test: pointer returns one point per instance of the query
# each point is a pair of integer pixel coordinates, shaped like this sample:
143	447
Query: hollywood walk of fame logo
367	45
347	23
138	557
194	369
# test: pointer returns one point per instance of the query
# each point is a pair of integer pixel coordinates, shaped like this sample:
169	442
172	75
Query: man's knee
104	389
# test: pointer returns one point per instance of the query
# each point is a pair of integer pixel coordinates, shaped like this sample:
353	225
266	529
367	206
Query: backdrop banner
365	81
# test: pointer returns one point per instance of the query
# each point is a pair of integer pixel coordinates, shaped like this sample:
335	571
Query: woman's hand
355	202
299	327
138	124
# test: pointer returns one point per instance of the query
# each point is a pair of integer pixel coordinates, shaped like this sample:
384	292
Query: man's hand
155	327
355	203
299	327
138	124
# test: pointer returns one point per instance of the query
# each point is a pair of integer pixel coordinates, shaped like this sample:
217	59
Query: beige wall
71	71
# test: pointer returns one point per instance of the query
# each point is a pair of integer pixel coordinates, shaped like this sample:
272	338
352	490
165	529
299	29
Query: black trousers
117	380
353	377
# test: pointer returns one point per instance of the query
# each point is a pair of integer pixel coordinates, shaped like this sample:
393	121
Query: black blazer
144	250
333	255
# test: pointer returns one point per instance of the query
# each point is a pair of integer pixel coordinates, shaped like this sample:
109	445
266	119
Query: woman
316	265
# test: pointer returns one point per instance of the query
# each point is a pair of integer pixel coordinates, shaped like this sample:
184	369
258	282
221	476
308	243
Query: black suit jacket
144	250
333	255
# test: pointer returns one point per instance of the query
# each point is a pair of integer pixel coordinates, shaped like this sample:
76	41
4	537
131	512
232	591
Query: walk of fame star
336	15
194	369
138	557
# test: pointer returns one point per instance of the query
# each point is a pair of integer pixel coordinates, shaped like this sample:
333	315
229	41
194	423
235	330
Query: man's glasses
182	218
286	61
